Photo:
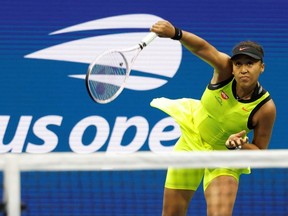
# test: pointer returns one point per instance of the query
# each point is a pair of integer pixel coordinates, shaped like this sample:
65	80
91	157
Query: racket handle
148	39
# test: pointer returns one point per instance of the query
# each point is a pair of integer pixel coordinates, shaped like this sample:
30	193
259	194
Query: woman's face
246	70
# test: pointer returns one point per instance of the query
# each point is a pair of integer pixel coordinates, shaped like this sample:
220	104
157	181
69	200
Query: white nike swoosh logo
243	48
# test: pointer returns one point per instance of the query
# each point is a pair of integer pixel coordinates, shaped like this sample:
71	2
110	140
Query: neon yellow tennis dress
206	125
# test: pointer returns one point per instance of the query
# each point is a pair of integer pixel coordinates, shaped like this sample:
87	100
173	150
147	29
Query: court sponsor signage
111	130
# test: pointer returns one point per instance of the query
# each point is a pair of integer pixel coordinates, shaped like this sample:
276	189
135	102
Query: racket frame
143	43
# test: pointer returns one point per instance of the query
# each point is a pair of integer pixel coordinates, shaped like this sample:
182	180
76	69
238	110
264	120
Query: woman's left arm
263	120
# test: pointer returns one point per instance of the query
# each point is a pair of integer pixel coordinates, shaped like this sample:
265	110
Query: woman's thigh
176	201
220	195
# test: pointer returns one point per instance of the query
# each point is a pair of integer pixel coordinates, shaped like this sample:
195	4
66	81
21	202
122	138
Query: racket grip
148	39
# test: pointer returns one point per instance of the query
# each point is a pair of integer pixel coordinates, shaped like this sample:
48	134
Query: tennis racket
107	75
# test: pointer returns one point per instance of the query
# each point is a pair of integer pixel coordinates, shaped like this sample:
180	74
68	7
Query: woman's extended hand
235	141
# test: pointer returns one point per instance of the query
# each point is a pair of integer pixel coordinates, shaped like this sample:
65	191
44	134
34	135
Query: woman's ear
263	68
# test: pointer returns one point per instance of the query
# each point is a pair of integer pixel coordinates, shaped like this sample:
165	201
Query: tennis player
233	104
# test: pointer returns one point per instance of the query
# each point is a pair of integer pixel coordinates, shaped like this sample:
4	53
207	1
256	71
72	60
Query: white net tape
148	160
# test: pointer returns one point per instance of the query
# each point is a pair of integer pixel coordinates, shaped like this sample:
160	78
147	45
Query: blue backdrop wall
45	49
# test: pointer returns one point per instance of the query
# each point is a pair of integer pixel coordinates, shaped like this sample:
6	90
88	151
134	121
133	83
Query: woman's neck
245	94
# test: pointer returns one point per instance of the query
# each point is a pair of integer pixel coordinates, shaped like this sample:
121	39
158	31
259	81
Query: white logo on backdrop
161	58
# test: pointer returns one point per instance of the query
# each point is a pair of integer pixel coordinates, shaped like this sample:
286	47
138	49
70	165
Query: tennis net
108	184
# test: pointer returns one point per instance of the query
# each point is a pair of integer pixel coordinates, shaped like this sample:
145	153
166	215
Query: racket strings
107	76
